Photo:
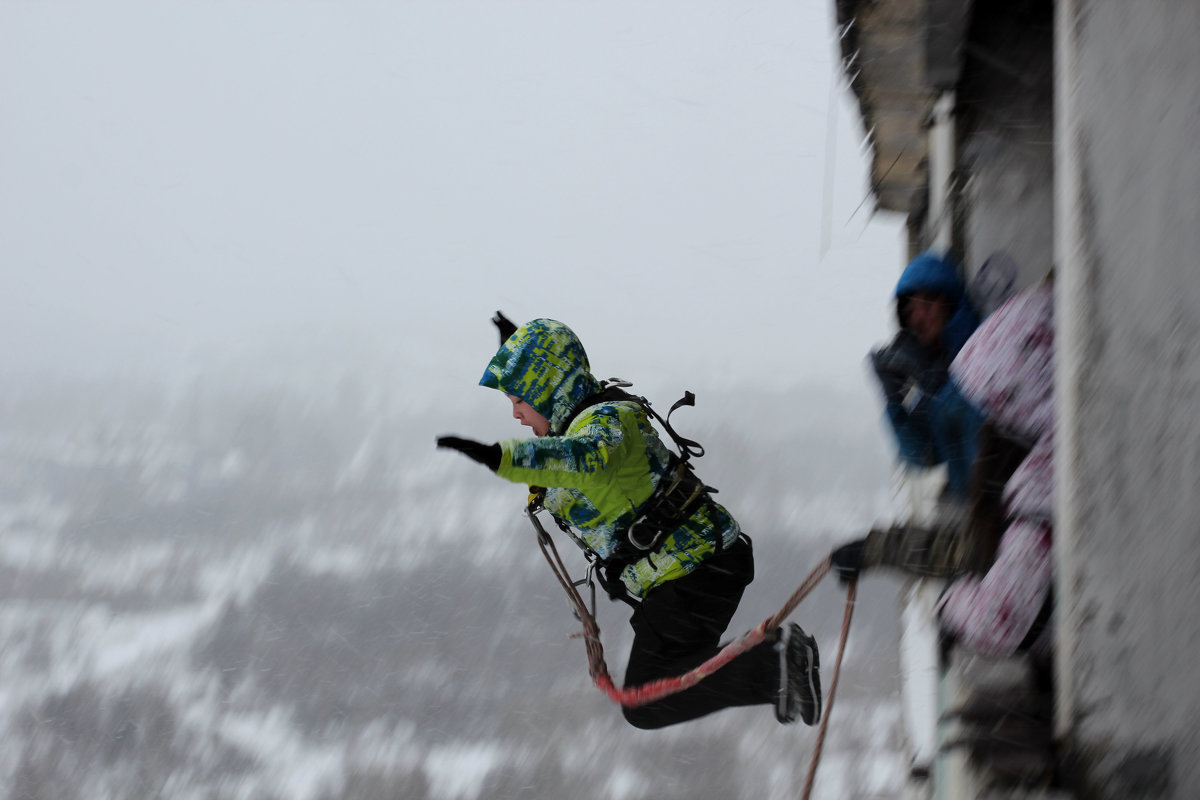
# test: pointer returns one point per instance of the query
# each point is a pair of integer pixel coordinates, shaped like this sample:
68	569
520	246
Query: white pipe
1071	318
941	171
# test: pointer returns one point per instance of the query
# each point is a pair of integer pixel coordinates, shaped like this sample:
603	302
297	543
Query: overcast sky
681	182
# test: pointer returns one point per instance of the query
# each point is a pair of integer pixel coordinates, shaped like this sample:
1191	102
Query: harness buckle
676	497
589	580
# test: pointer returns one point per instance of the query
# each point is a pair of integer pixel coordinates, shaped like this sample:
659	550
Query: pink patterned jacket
1007	369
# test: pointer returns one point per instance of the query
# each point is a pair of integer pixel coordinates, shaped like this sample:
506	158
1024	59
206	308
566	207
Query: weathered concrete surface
1128	536
883	49
1116	158
997	56
1006	159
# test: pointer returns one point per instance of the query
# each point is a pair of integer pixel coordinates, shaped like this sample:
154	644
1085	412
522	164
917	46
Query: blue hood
930	272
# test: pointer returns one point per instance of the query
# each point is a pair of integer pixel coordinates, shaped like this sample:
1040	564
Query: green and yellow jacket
600	462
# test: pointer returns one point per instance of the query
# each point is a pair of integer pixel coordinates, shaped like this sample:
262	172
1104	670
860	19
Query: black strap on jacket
614	390
677	496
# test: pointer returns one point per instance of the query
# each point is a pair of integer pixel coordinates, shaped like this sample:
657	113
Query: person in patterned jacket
999	603
606	474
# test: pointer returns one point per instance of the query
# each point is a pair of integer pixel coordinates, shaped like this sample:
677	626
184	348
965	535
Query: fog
248	254
684	184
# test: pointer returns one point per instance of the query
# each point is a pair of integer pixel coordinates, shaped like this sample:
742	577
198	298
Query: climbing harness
677	496
614	389
664	687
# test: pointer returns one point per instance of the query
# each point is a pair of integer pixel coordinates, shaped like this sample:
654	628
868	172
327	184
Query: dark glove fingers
847	561
486	454
904	356
892	384
505	325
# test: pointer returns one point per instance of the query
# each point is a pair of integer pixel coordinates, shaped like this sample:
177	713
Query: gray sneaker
799	676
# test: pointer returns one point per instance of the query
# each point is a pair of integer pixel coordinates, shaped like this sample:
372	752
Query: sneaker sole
782	645
814	680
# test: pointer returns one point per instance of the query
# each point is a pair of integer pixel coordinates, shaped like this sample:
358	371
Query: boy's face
524	413
927	313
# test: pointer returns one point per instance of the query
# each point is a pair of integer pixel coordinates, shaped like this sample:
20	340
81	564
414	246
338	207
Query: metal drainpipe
941	172
920	648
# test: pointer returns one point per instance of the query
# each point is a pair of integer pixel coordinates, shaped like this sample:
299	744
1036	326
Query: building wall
1006	131
1128	452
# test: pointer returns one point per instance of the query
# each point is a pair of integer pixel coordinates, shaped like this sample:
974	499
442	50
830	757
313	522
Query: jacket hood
930	272
544	364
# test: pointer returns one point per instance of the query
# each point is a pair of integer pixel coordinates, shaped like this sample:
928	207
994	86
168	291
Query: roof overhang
897	63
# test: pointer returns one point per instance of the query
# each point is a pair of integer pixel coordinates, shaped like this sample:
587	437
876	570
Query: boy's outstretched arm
486	454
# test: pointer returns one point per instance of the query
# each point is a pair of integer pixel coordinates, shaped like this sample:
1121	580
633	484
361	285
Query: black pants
678	627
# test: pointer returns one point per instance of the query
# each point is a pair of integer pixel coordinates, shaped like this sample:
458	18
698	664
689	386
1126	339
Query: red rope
633	696
851	591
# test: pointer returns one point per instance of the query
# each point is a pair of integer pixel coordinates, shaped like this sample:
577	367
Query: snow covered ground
278	596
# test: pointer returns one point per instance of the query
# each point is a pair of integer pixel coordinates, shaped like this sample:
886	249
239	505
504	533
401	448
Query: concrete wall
1128	452
1006	131
1009	230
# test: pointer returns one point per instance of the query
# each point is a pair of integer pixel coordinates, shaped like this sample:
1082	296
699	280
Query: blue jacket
940	426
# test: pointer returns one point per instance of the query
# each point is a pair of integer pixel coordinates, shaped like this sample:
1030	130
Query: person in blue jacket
933	423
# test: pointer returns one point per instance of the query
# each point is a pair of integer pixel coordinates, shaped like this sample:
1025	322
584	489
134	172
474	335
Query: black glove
892	382
847	561
903	355
504	325
902	361
486	454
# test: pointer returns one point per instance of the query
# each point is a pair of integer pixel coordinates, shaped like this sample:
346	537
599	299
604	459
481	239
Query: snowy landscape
235	568
243	586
